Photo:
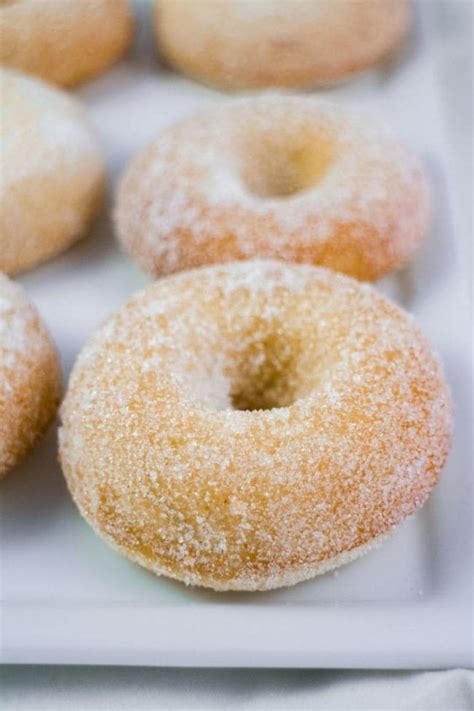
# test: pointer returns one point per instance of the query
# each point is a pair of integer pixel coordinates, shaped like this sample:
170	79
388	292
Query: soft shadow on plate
434	262
402	57
398	570
95	246
453	498
145	52
399	286
34	493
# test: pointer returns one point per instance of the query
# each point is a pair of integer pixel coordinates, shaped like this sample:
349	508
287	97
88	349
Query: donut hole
262	373
264	377
283	166
269	394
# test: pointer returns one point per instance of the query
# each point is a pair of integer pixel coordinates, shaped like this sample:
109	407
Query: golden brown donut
251	425
288	177
51	172
63	41
30	379
252	44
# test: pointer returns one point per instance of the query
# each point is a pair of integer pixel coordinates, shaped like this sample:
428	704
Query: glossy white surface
67	598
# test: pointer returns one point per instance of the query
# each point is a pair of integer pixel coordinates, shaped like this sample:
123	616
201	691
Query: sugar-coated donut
235	44
30	380
292	178
251	425
64	41
52	172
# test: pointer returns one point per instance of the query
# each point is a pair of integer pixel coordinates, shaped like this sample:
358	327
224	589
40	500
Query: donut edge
211	74
76	69
33	198
289	578
49	395
259	584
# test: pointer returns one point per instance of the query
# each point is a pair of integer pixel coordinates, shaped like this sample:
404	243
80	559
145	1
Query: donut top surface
234	422
18	321
294	178
52	176
42	129
257	44
63	41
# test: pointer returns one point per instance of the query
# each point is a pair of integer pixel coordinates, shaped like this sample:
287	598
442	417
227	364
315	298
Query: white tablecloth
136	689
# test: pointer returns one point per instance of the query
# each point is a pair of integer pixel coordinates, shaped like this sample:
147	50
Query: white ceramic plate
67	598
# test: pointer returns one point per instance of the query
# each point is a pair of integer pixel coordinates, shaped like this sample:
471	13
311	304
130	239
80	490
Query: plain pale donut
235	44
52	172
30	380
292	178
251	425
63	41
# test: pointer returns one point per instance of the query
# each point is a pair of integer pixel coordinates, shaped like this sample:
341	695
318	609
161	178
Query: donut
287	177
64	41
252	45
52	172
250	425
30	380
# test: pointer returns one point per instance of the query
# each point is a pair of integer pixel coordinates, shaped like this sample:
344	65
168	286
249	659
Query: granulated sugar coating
30	381
250	425
257	44
52	172
65	42
286	177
